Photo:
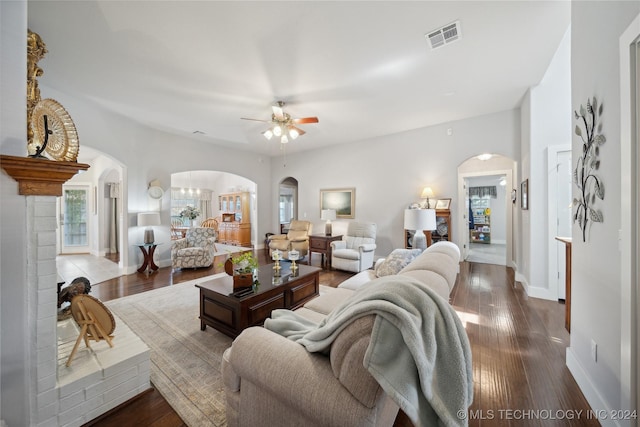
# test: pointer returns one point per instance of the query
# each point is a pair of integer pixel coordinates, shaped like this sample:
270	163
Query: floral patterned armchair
195	250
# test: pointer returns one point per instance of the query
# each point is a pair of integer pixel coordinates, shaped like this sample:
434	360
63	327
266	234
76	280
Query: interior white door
563	214
74	219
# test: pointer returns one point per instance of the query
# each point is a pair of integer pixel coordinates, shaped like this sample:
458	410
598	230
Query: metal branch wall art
590	186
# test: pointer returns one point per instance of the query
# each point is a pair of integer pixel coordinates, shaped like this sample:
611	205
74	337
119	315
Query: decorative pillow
396	261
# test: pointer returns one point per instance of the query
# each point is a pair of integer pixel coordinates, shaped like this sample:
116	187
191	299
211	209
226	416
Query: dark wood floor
518	345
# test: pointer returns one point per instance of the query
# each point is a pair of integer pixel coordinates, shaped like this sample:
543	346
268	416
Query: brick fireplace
98	379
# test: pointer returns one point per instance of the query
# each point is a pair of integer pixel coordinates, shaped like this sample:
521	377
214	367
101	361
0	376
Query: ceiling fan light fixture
283	125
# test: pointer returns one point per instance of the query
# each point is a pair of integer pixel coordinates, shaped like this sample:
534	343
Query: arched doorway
287	202
202	189
106	252
486	167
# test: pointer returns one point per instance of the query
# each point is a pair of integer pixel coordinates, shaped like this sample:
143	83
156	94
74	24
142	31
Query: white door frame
462	215
552	212
629	238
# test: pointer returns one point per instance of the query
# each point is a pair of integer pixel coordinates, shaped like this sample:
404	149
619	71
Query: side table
321	243
148	265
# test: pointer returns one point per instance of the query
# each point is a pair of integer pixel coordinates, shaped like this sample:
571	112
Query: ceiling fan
282	125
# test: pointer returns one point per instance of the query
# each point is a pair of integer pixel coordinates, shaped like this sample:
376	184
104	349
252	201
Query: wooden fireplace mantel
40	177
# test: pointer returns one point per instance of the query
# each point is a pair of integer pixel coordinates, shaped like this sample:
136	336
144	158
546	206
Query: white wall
548	122
143	161
596	295
15	358
390	172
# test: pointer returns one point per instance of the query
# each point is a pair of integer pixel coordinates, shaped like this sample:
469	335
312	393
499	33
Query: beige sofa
271	380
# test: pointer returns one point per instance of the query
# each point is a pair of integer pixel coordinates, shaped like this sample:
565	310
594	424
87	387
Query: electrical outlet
594	351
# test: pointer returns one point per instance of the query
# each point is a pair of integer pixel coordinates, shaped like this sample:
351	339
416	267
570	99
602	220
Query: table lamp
420	219
148	219
328	215
427	192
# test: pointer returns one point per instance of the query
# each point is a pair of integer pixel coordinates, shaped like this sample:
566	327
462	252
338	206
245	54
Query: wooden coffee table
230	314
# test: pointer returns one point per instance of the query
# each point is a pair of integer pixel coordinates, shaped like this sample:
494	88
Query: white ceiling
363	68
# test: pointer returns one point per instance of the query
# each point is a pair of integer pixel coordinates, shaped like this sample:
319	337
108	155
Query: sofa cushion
437	262
324	304
445	247
435	281
396	261
357	281
346	254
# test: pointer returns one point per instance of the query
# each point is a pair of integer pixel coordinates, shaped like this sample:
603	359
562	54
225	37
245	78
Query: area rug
185	361
222	249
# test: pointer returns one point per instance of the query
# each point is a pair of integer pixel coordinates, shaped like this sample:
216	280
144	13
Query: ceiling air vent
445	35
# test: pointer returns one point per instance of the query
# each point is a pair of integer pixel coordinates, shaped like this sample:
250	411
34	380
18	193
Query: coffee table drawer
260	311
303	292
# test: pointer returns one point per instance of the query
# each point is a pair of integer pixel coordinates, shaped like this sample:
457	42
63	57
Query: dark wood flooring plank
518	345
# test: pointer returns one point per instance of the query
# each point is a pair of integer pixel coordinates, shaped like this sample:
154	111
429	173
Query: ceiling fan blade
300	131
277	111
305	120
256	120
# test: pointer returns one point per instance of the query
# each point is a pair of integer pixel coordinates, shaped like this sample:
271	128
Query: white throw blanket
419	351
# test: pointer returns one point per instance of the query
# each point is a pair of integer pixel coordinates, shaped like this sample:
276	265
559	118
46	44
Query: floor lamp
420	219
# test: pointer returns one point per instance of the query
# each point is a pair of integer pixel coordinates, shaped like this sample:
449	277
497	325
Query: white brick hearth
98	379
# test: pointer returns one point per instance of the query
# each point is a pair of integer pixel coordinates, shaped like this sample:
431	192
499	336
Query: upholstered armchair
297	238
356	249
196	249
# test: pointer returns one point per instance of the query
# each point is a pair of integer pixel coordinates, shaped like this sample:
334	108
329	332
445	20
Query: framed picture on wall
443	204
524	194
342	200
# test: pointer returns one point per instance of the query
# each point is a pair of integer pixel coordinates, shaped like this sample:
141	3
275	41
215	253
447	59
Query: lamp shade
328	214
419	219
146	219
427	192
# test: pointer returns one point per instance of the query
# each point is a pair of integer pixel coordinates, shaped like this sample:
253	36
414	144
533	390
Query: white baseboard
590	392
520	278
542	293
534	291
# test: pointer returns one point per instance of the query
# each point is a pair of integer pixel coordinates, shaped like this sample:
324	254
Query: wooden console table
567	283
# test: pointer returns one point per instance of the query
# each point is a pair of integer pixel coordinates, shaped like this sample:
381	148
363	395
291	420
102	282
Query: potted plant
242	267
190	213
